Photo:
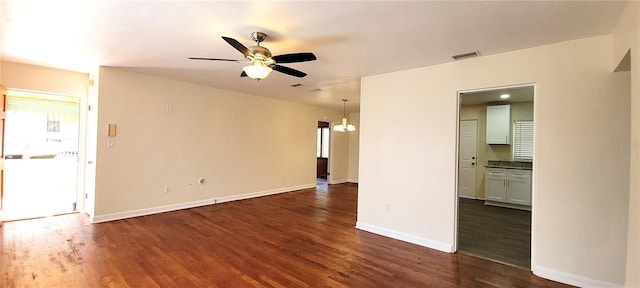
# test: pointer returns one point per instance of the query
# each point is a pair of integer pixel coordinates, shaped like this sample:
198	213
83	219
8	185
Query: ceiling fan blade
288	71
214	59
243	74
294	57
233	42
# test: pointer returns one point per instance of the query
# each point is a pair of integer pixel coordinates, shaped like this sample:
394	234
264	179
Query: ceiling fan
260	61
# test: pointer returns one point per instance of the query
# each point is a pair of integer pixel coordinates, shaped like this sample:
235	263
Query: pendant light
344	125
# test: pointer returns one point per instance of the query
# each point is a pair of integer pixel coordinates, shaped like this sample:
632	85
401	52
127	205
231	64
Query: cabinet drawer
519	174
495	172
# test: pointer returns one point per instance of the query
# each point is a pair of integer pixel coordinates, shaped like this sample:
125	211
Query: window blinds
523	140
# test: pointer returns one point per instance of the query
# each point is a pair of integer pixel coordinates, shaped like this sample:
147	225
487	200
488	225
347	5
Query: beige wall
37	78
485	152
173	133
581	172
627	37
354	144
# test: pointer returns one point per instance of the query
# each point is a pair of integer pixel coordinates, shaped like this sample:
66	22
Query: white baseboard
149	211
343	181
187	205
507	205
570	279
339	181
405	237
264	193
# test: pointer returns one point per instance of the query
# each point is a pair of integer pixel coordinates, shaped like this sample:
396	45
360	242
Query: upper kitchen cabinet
499	124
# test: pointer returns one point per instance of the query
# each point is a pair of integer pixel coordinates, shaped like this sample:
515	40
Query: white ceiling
492	96
351	39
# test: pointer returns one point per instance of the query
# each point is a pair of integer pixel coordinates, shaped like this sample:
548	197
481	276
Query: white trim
351	180
497	88
264	193
149	211
187	205
405	237
507	205
570	279
340	181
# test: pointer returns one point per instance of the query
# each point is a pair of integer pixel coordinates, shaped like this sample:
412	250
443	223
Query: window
523	140
323	142
53	122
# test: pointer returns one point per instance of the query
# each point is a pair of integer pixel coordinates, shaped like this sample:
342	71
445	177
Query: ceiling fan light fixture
258	70
259	60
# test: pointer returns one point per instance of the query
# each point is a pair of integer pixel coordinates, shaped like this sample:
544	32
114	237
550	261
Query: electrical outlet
167	188
387	207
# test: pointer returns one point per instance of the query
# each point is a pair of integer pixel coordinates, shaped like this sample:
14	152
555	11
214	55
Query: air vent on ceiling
466	55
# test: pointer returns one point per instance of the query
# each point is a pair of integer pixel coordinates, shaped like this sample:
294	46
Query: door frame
533	171
3	115
330	146
82	137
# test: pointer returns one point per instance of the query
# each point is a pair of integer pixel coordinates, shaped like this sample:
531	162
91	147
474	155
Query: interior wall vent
466	55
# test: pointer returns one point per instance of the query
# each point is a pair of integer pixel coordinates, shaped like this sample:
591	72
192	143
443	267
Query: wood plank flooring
498	233
299	239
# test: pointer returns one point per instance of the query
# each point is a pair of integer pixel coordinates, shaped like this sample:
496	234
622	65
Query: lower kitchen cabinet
512	186
495	184
519	187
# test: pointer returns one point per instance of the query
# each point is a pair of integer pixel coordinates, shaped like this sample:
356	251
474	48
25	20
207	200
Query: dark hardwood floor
299	239
501	234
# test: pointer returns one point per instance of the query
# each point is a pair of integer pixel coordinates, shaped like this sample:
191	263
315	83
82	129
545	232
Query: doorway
41	155
322	153
490	226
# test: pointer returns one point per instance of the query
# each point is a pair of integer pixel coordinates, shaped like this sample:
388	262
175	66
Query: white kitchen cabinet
495	184
519	187
499	124
511	186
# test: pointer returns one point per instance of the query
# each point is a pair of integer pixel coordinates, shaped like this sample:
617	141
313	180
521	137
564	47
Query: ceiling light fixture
258	70
344	125
504	96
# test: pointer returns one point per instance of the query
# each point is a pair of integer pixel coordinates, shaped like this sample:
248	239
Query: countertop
509	165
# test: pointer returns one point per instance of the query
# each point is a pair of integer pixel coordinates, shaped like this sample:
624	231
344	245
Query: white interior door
467	159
